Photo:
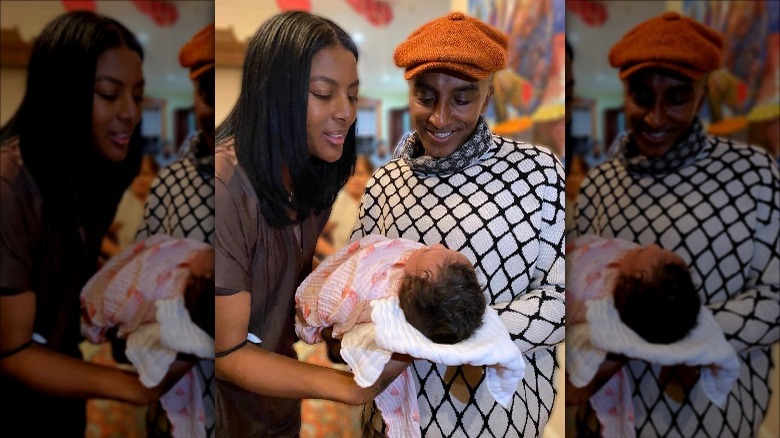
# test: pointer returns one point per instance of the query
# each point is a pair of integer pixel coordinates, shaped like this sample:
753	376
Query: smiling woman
66	156
116	107
333	89
283	153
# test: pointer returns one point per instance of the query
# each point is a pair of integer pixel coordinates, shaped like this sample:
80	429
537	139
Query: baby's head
440	295
198	293
655	296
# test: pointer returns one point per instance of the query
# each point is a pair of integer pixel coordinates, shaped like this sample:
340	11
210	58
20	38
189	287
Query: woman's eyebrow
331	81
117	81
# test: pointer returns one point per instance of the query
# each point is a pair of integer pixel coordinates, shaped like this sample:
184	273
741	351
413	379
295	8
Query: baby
651	287
122	294
158	296
437	289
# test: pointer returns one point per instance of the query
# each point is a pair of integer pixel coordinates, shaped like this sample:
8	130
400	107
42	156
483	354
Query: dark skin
660	108
445	108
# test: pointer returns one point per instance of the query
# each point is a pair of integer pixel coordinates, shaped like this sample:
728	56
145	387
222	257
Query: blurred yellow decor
766	111
549	112
513	127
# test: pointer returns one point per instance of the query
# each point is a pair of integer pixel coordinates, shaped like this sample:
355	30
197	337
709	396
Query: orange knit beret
455	42
198	53
671	42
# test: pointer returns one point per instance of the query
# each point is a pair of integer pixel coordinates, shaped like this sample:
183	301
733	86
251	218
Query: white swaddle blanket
139	291
367	348
587	345
368	272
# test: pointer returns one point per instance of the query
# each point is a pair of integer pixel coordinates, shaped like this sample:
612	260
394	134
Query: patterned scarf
682	154
195	148
469	153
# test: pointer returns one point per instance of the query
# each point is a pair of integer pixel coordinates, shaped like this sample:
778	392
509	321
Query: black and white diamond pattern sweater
716	203
500	203
181	200
181	205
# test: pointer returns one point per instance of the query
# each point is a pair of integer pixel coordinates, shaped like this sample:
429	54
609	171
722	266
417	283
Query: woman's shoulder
20	200
228	171
11	163
225	160
15	179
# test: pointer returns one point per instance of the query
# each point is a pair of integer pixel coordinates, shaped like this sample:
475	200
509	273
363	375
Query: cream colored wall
226	88
12	82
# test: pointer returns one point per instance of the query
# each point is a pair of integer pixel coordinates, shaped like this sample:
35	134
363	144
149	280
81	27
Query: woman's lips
122	139
335	138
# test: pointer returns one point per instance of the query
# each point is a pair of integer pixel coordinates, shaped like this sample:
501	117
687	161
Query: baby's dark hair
661	309
199	301
447	309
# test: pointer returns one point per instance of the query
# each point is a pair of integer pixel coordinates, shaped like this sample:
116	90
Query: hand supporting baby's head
655	296
441	296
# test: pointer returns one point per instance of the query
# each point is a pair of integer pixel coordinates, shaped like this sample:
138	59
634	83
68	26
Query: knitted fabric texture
454	42
719	209
671	42
198	53
468	154
683	154
505	213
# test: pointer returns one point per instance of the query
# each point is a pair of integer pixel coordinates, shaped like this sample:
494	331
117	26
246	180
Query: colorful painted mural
528	99
744	98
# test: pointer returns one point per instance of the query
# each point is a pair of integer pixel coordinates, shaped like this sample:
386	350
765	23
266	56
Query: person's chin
439	149
115	153
331	153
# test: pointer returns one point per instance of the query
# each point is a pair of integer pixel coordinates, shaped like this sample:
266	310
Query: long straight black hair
54	122
268	122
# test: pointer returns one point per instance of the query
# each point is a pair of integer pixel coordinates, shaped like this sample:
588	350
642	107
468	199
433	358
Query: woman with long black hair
283	154
67	155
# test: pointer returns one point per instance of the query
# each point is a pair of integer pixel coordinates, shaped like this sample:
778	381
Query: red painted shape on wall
528	92
294	5
742	92
79	5
378	13
163	13
592	13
